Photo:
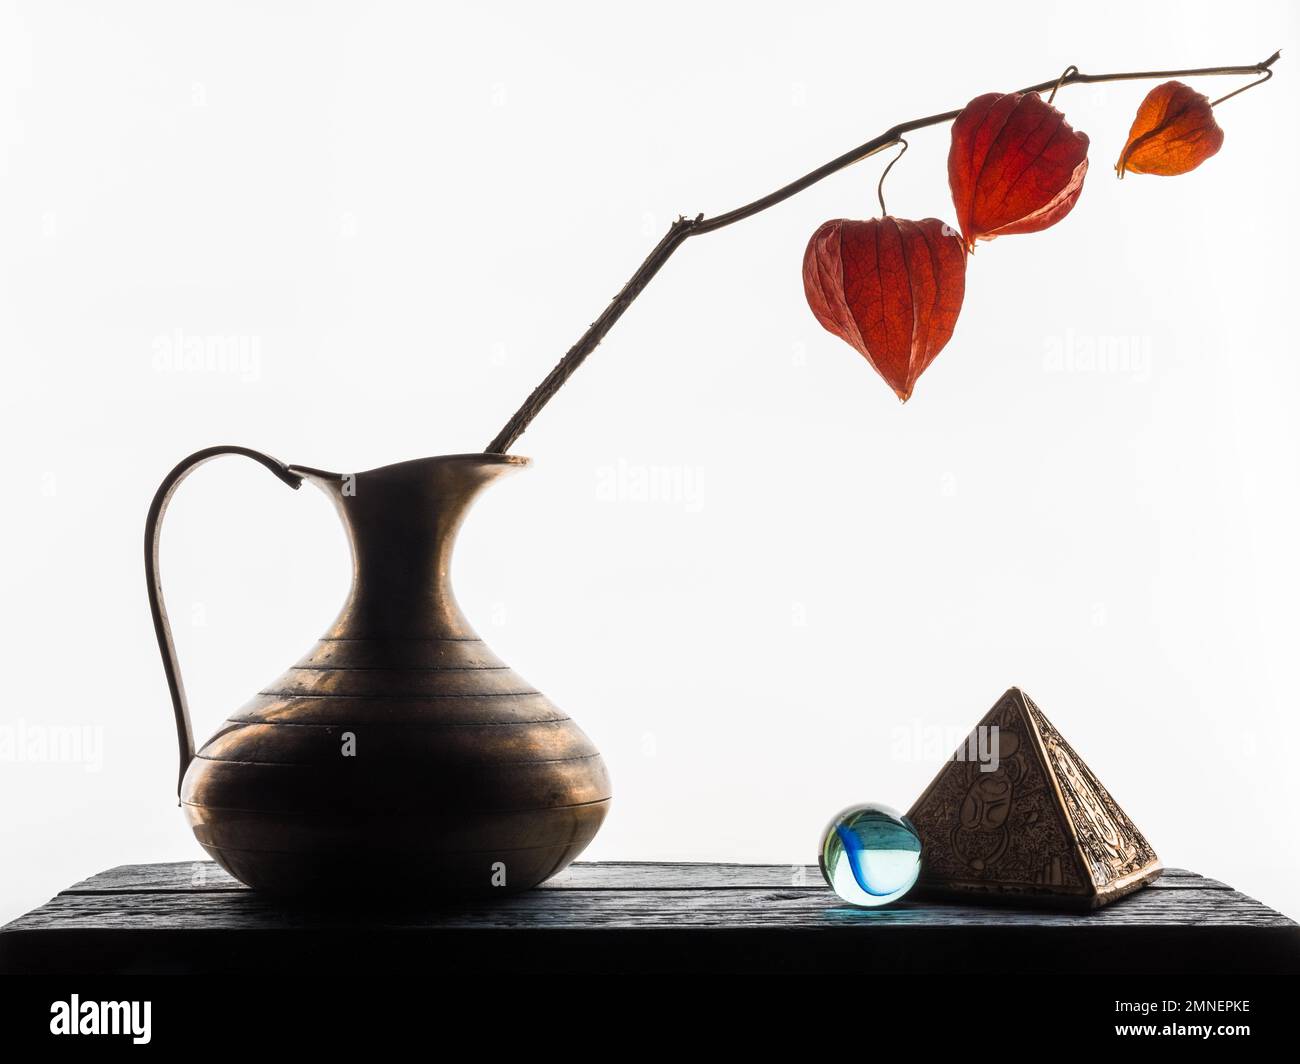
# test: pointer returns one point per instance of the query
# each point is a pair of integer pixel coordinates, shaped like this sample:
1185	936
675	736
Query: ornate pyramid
1017	815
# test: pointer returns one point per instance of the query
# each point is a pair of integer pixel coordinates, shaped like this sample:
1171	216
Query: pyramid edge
943	765
1061	805
1102	893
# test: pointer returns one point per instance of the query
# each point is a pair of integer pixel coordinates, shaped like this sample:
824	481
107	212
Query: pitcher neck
401	522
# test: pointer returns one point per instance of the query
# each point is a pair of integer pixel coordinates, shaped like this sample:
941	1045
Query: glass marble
870	855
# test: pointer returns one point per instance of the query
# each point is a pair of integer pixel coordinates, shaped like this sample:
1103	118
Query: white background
405	213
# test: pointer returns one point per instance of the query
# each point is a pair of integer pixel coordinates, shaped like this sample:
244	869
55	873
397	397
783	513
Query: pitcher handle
152	537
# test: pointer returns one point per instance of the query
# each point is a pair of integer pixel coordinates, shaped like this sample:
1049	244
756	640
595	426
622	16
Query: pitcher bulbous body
399	754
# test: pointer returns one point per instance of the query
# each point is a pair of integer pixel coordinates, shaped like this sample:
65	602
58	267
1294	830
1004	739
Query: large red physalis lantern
1015	166
890	287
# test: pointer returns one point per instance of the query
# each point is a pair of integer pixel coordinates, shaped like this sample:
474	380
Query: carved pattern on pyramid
1111	845
1040	825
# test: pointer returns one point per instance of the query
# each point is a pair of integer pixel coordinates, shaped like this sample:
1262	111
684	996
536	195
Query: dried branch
684	228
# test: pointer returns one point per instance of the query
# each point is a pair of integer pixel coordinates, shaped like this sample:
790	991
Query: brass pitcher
399	754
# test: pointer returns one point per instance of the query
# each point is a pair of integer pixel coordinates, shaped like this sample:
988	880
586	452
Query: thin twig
1071	69
880	188
683	228
1268	73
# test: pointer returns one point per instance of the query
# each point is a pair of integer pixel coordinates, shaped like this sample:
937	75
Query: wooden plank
777	909
191	917
672	930
888	951
208	877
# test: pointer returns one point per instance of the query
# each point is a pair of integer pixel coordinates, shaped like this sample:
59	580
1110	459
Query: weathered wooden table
192	917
